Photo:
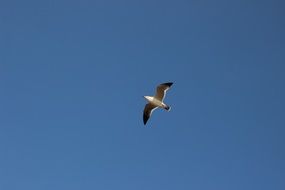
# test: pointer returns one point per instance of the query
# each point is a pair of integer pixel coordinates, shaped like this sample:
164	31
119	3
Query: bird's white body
155	101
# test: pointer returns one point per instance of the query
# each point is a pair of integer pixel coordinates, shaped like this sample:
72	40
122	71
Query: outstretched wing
161	90
148	109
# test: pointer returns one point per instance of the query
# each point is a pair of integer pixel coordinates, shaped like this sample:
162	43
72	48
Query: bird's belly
157	103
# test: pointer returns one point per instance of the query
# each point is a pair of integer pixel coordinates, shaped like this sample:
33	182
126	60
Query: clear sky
72	77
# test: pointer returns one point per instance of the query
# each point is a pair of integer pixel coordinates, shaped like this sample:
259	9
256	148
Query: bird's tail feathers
168	108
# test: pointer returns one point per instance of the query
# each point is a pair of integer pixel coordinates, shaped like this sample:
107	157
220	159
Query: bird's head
149	98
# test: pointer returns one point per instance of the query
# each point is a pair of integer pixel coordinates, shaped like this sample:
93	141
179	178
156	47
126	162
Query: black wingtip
145	118
168	84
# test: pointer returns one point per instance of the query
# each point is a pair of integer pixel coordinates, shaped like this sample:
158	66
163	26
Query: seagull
156	101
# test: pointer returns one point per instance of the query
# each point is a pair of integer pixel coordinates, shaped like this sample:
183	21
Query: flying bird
156	101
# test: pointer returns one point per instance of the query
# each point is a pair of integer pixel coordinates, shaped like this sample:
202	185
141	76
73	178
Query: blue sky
72	77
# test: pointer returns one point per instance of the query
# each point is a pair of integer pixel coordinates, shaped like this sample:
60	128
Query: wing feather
148	109
161	90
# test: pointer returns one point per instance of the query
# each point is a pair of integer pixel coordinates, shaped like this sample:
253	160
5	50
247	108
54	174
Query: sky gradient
72	77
